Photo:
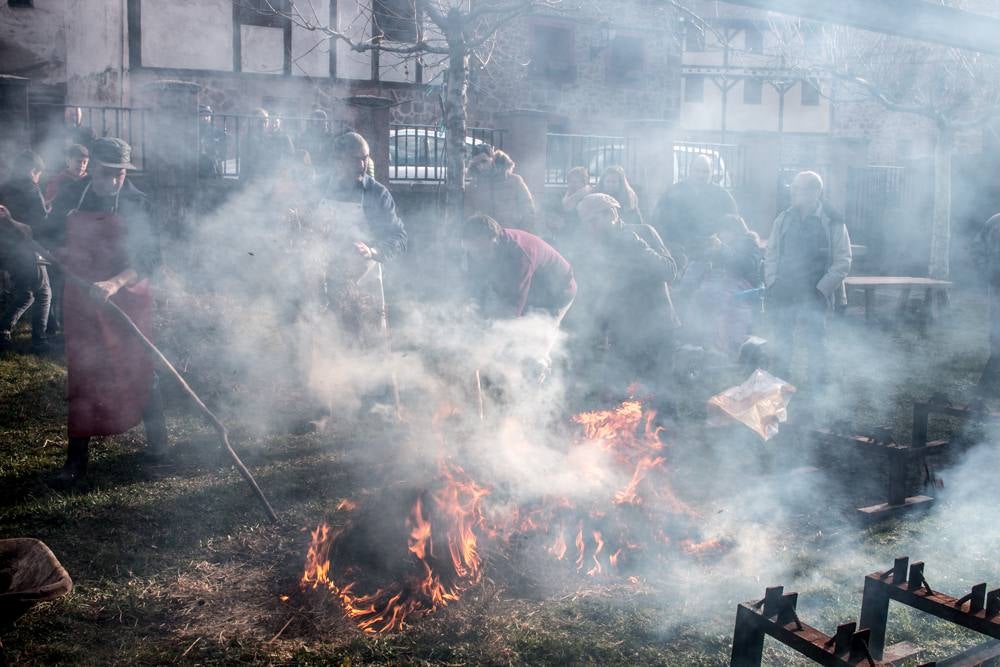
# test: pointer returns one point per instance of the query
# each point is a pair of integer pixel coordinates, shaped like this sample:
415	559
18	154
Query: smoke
270	343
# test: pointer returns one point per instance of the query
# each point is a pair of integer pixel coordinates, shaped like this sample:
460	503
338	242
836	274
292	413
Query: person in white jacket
808	256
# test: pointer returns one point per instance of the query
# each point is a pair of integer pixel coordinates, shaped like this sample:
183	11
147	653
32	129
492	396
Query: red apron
110	373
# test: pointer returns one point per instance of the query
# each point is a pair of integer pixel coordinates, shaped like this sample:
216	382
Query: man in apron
109	242
356	231
356	218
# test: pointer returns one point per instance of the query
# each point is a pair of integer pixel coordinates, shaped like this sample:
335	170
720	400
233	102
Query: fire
630	519
634	515
443	551
629	495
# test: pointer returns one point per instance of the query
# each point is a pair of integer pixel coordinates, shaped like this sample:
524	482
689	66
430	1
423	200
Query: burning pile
623	525
441	559
626	523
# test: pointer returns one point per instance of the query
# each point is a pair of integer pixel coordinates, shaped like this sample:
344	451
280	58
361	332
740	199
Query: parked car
420	154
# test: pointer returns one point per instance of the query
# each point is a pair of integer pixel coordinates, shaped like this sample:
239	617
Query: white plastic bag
760	403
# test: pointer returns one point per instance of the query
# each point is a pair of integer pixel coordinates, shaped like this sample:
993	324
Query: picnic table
934	291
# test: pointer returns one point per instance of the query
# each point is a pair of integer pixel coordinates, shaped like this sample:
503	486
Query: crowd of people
630	289
626	288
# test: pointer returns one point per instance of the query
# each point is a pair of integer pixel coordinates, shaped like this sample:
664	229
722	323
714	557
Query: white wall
32	41
187	34
311	49
96	52
353	23
763	117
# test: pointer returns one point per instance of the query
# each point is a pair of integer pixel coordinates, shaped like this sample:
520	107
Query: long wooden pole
157	355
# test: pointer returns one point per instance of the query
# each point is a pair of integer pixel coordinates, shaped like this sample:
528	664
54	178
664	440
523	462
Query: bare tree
955	90
452	31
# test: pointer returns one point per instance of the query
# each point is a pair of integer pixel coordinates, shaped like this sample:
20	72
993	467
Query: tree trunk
941	223
456	99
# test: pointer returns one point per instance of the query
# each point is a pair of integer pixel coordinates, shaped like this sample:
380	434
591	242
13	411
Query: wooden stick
387	340
154	351
479	397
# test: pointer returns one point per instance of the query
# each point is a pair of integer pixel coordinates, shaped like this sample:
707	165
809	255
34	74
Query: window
694	88
396	20
20	3
810	94
553	54
694	38
262	36
754	40
753	90
271	13
626	59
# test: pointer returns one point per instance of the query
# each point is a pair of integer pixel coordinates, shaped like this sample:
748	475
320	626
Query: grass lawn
176	564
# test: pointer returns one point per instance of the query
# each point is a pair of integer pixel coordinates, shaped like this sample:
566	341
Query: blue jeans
30	287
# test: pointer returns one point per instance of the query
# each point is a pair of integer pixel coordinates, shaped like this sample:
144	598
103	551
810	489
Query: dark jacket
504	197
319	144
24	200
743	260
688	213
388	236
526	272
262	154
624	288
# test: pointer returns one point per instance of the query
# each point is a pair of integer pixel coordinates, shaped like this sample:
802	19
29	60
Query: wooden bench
932	288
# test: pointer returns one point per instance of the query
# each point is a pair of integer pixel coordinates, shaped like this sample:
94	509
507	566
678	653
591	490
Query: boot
155	425
156	438
76	464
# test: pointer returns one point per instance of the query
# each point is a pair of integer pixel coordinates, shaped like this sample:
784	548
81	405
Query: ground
176	564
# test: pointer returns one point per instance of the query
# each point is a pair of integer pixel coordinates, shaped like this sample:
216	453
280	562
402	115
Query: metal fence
231	130
727	161
563	152
874	194
123	122
419	152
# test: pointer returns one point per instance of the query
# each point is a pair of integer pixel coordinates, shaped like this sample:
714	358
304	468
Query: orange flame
453	518
599	541
558	548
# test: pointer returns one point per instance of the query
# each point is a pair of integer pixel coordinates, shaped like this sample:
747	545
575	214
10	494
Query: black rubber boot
155	424
75	468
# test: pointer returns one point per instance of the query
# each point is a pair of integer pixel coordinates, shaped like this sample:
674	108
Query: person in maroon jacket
514	272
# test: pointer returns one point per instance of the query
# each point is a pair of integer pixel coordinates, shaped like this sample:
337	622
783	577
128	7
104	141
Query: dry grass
175	564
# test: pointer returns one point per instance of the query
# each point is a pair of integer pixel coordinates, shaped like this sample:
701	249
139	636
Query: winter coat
525	274
688	213
624	291
838	252
26	205
505	198
388	236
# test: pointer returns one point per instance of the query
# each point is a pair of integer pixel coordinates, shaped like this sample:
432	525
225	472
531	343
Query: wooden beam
915	19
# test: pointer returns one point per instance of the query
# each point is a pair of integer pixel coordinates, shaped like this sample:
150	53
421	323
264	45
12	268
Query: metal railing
727	161
122	122
419	152
231	131
875	194
563	152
